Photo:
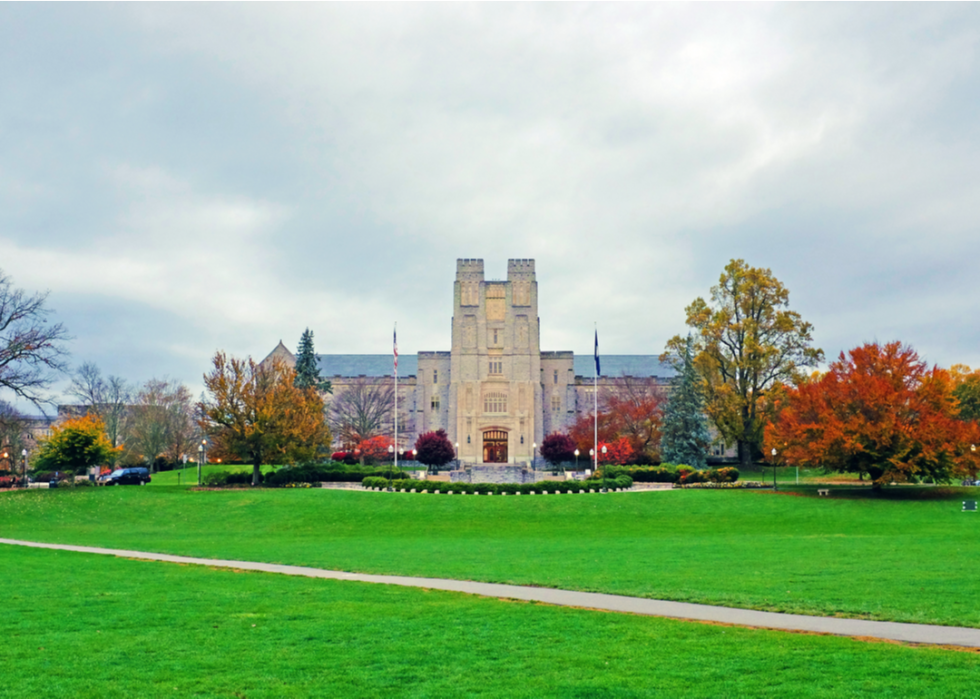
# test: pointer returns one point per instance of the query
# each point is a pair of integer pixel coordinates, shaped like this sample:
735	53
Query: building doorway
495	447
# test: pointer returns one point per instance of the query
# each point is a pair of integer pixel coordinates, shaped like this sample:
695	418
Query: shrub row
405	485
304	473
724	486
670	473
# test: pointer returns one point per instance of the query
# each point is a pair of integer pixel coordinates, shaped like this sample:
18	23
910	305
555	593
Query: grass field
188	476
78	625
880	559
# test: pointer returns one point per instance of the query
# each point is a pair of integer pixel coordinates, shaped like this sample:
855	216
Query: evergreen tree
684	429
307	371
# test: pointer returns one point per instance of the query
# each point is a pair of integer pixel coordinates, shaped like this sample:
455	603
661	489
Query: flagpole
595	396
395	338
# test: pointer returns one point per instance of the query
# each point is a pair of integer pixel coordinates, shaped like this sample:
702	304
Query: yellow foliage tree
257	412
748	345
75	445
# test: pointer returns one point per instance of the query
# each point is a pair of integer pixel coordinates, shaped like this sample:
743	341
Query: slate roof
613	365
366	365
381	365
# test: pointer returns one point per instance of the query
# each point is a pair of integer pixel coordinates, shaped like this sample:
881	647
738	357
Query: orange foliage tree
375	448
880	411
583	434
618	452
630	408
257	412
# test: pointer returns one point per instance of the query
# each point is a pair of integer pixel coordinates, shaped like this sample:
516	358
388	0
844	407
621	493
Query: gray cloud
226	175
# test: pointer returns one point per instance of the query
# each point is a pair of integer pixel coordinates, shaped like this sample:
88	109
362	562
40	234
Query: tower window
555	404
556	376
435	376
496	338
435	403
495	403
496	366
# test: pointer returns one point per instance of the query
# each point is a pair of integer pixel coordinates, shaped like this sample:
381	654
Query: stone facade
495	393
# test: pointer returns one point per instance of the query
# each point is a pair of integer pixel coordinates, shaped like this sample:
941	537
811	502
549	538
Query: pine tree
685	429
307	371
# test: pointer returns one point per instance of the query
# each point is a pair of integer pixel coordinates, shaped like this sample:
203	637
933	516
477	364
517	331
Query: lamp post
576	459
604	451
23	452
391	452
774	488
534	456
973	449
200	460
457	455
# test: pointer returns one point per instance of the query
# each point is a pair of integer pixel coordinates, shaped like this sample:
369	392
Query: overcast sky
185	178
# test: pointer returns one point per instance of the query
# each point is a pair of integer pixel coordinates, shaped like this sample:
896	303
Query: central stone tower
495	364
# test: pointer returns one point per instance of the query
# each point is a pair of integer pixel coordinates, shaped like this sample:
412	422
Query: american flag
395	340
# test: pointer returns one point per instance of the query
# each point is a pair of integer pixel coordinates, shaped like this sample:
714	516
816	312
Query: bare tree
108	398
362	410
31	350
161	421
13	436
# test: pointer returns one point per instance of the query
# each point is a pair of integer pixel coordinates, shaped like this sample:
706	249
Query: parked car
126	476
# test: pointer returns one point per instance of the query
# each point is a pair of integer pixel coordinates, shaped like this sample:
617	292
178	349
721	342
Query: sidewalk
908	633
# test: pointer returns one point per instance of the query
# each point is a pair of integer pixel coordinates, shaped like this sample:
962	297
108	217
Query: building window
435	376
495	337
556	376
495	403
555	404
496	366
435	403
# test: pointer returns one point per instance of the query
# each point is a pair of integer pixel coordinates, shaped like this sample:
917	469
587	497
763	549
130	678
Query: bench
823	492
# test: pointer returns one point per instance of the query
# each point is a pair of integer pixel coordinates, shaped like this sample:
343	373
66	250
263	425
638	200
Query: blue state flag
597	372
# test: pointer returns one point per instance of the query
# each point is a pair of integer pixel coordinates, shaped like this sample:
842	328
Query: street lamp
604	451
23	452
576	459
534	456
457	455
774	469
200	460
391	452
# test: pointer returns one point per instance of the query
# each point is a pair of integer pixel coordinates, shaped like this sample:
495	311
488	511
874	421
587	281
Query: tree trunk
744	455
256	471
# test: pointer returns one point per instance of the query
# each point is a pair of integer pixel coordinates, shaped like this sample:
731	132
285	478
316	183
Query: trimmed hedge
407	484
304	473
333	472
669	473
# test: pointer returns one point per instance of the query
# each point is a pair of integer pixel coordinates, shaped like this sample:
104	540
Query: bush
331	472
727	474
221	478
406	484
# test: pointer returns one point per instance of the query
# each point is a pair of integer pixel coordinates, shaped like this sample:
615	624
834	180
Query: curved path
907	633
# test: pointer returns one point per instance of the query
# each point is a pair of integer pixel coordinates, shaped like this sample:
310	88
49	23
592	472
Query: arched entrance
495	447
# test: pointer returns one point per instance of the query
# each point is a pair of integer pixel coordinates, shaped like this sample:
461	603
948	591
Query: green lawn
188	476
880	559
78	625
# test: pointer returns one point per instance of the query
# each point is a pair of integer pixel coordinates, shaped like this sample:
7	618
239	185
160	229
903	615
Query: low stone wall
502	474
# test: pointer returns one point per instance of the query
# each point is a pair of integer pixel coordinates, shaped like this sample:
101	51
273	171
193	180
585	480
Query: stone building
494	392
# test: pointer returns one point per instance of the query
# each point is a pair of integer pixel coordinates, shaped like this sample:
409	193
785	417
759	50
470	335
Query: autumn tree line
748	366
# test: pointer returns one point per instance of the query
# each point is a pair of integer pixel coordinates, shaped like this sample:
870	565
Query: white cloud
258	169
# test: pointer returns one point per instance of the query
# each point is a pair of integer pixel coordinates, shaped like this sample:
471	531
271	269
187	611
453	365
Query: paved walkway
908	633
